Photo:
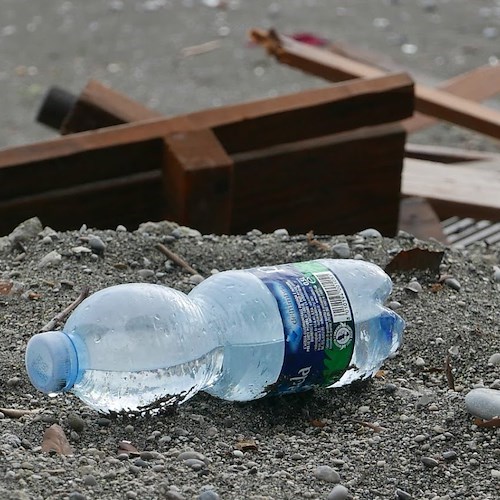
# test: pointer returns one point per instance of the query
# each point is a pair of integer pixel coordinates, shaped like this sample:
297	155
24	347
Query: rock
413	286
52	259
188	455
196	279
370	233
76	422
26	230
281	233
80	250
327	474
429	462
496	274
483	403
402	495
494	359
339	492
13	381
395	305
185	232
208	495
162	227
452	283
342	250
97	245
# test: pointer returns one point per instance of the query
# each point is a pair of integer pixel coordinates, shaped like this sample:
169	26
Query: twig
449	374
16	413
59	318
374	427
313	242
195	50
175	258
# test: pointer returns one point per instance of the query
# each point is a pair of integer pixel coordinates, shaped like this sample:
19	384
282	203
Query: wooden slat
327	184
198	179
248	126
444	154
334	67
454	190
100	106
417	217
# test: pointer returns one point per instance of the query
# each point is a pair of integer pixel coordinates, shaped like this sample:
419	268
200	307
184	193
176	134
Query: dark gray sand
405	435
405	432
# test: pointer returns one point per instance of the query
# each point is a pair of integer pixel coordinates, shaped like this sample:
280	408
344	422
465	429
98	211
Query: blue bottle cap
51	362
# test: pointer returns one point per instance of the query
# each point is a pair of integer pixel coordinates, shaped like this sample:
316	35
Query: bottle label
318	324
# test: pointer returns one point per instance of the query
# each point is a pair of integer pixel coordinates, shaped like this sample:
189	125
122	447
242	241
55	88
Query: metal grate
463	232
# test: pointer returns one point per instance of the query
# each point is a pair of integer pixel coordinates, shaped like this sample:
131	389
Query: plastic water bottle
239	335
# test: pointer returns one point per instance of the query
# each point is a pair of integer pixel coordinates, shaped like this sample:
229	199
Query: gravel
404	434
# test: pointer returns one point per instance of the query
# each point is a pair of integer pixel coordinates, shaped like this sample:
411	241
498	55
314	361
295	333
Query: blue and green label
318	324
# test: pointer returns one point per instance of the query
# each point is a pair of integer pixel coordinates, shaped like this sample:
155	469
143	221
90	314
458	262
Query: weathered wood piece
455	190
334	67
417	217
74	170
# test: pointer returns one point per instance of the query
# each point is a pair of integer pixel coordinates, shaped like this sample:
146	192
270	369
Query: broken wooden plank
334	67
100	106
327	184
417	217
248	126
462	190
198	180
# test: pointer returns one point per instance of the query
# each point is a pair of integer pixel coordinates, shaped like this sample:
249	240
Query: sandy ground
136	47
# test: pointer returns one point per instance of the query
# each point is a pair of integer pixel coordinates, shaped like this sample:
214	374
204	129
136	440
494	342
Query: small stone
370	233
162	227
495	473
341	250
26	230
188	455
414	286
76	422
339	492
147	455
90	480
281	233
483	403
146	273
185	232
402	495
80	250
327	474
196	279
121	229
496	274
208	495
364	409
238	453
195	464
494	359
13	381
97	245
450	455
452	283
76	495
52	259
419	438
103	422
140	463
419	362
429	462
395	305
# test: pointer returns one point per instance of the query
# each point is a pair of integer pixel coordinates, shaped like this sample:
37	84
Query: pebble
52	259
414	286
196	279
450	455
281	233
189	455
370	233
339	492
395	305
103	422
429	462
90	480
26	230
81	250
496	274
342	250
494	359
162	227
402	495
13	381
452	283
483	403
121	229
76	422
185	232
76	495
327	474
208	495
420	362
195	464
97	245
146	273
